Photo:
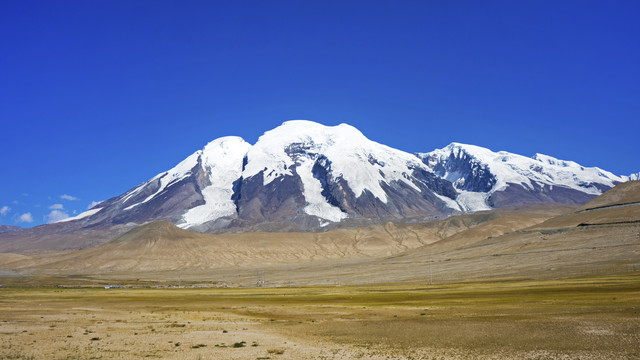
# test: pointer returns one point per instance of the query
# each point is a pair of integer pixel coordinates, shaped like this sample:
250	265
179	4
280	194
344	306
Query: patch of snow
222	161
133	191
312	189
81	215
451	204
131	207
471	201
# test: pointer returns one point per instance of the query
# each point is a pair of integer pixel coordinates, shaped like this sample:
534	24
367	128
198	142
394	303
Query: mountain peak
295	130
225	141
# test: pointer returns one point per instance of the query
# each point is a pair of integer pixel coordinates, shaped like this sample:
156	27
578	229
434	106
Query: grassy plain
586	318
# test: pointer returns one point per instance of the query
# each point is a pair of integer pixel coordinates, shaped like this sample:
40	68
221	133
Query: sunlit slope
619	205
625	193
160	246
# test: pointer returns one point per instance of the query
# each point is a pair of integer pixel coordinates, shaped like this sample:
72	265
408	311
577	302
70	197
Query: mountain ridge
488	179
301	172
304	176
314	176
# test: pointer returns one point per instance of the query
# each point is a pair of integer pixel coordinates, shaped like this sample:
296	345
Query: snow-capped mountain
303	175
487	179
300	173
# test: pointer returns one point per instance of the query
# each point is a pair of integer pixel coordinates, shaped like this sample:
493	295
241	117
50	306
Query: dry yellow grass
589	318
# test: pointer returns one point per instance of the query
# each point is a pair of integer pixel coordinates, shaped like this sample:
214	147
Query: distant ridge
485	179
8	228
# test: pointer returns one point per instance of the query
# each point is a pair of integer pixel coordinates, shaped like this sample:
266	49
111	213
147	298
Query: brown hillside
625	193
160	246
616	206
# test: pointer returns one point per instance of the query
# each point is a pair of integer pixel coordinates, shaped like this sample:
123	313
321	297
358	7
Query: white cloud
25	218
56	215
5	210
68	197
93	203
56	207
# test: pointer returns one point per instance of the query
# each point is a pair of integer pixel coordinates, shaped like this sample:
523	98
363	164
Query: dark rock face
335	190
427	181
321	170
277	201
477	176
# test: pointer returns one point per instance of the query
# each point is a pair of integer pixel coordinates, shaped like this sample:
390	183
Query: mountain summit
303	176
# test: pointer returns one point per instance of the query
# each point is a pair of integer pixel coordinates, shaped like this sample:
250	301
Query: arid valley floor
587	318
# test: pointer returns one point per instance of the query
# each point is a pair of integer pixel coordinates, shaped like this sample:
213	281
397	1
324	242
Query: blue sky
99	96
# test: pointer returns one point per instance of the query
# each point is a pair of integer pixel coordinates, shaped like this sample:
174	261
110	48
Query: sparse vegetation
586	318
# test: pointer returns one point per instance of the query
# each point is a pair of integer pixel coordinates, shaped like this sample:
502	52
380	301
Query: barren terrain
589	318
